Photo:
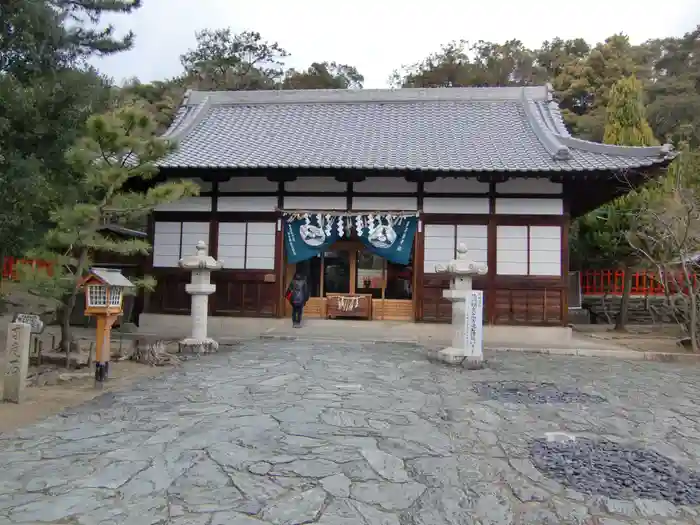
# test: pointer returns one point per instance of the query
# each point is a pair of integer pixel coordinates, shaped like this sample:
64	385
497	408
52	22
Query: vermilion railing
9	266
600	282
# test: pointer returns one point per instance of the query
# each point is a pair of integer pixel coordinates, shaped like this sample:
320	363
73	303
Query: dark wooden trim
501	220
565	265
418	266
480	195
247	216
215	197
528	249
491	256
245	247
214	238
390	194
453	218
249	193
529	195
529	220
148	260
279	265
221	216
349	195
280	194
223	174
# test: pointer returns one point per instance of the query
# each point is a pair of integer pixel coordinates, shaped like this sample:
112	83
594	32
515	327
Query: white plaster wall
545	250
385	185
315	184
247	185
247	203
456	185
192	233
174	240
523	185
187	204
439	245
232	244
511	250
475	237
529	206
314	203
260	241
455	205
249	246
166	244
362	203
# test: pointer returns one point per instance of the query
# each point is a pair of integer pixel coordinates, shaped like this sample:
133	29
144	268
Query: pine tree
46	95
119	148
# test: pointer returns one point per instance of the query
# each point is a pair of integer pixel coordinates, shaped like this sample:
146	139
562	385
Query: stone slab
16	362
293	431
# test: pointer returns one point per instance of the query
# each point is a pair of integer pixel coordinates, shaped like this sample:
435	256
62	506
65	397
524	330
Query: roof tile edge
331	96
533	113
663	152
193	116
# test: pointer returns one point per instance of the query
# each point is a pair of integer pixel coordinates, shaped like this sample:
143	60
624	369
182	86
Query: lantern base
101	373
198	346
457	357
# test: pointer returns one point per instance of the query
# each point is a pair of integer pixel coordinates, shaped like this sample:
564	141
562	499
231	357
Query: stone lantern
467	312
200	288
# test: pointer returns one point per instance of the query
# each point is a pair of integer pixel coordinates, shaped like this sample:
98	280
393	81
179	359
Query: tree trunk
66	310
621	321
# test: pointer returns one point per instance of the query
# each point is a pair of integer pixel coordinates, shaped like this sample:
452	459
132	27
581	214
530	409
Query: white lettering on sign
33	320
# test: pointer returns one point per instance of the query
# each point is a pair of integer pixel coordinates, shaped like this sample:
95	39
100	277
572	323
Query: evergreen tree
46	95
118	148
625	117
602	235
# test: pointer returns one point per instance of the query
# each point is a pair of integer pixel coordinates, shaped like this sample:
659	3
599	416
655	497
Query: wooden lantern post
104	297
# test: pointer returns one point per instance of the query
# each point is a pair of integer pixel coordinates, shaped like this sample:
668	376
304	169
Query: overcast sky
378	36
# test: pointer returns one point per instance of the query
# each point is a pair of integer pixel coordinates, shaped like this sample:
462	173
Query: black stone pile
530	392
616	471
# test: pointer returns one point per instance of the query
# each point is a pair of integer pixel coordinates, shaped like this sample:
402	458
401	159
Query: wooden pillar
418	270
148	263
491	257
565	264
279	265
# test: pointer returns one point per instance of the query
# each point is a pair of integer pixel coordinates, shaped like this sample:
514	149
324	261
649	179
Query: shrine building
366	192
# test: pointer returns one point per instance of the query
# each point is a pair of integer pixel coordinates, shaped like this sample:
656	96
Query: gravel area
288	433
531	392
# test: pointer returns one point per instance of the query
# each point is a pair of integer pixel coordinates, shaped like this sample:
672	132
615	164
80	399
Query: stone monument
467	309
201	264
16	362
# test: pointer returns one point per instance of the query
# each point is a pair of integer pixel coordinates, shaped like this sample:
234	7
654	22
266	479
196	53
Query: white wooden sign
474	324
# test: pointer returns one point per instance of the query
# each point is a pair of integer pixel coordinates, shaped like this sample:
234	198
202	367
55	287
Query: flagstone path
287	432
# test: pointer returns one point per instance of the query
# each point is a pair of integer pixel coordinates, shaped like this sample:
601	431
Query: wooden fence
601	282
9	266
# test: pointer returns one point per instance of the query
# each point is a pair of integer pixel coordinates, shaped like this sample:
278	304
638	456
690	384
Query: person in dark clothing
297	295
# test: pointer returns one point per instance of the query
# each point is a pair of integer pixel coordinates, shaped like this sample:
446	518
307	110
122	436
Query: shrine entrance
347	281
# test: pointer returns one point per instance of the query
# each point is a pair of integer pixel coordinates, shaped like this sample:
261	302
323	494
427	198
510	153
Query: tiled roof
440	129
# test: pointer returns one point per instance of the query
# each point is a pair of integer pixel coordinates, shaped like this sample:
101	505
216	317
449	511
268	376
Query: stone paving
286	432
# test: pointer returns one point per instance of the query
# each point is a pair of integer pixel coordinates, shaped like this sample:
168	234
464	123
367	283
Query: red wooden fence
9	266
599	282
593	282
